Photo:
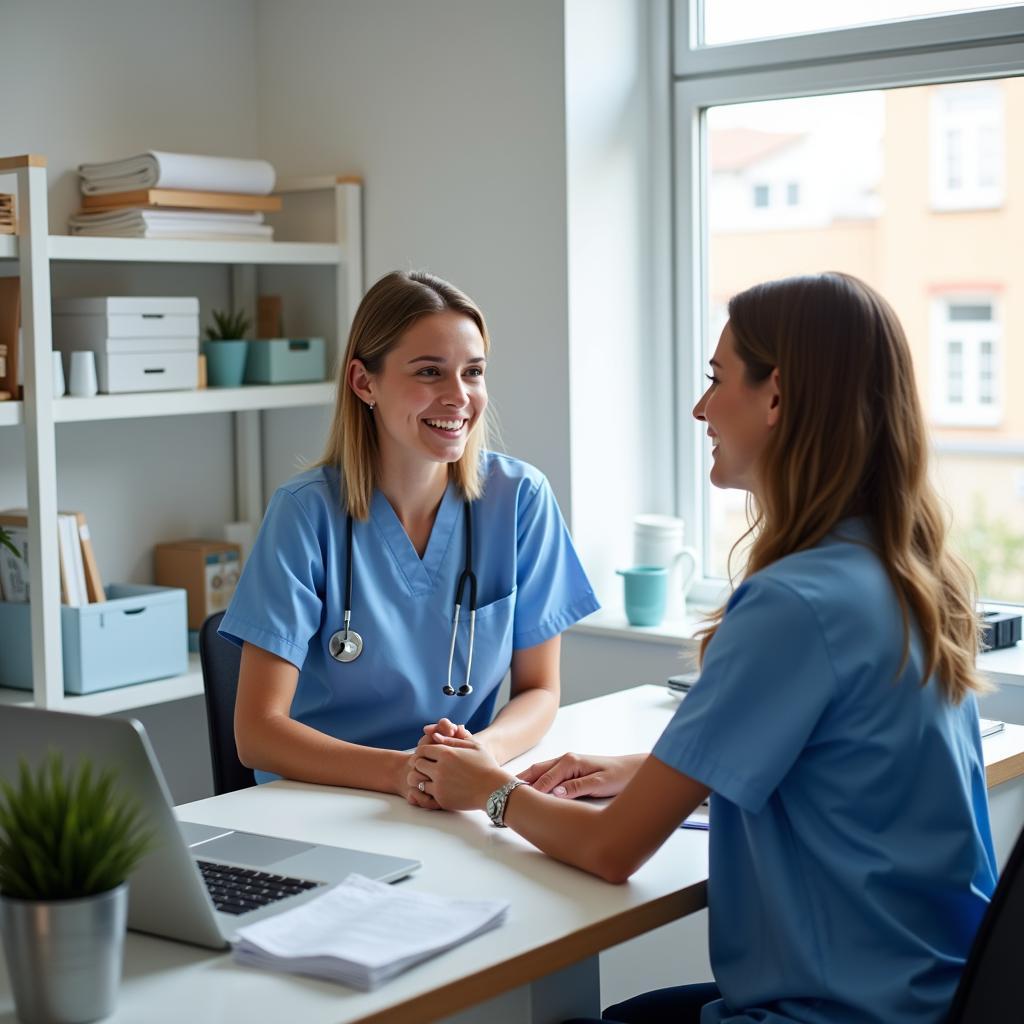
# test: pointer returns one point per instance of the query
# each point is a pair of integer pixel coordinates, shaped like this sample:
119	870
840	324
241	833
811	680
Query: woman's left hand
460	774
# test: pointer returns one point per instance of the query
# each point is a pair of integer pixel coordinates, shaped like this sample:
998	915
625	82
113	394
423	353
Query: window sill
1003	668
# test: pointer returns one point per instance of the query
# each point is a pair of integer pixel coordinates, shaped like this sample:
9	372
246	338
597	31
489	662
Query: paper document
363	932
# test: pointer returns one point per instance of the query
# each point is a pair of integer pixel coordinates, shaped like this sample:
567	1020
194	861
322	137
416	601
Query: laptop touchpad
246	848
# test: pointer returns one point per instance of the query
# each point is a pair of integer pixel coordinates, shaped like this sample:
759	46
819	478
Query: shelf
143	404
76	248
12	414
125	698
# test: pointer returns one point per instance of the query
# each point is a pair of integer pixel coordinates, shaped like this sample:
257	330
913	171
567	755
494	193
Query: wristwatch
498	799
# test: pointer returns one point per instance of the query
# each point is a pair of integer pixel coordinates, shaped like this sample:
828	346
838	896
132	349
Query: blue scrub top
851	855
290	600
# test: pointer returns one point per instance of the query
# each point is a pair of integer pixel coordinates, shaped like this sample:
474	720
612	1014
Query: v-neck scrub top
290	600
851	856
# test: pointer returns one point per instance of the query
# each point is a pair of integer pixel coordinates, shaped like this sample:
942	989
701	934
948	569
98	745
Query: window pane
861	166
733	21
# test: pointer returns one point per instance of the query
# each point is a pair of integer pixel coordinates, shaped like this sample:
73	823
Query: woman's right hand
575	775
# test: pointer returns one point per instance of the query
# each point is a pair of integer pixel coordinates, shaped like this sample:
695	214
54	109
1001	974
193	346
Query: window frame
899	54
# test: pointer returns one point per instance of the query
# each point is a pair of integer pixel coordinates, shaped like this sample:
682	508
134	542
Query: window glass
859	166
734	21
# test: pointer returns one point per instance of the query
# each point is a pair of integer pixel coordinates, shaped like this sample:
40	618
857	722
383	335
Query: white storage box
141	344
118	373
128	317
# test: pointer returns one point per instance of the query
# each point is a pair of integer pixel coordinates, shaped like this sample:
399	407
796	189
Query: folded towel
178	170
363	932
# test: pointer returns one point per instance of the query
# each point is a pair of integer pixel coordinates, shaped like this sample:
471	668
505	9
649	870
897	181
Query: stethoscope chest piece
345	645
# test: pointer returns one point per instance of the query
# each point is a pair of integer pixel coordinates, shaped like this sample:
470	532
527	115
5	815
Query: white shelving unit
35	251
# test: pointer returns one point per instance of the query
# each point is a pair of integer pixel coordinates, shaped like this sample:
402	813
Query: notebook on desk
199	883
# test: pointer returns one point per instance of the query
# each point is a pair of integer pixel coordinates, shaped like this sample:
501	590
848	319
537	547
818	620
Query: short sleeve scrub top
290	600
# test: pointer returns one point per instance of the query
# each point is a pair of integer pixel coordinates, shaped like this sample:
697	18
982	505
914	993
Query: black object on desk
999	629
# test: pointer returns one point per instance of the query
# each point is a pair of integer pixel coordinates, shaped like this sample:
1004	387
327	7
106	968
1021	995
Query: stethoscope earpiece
464	690
447	690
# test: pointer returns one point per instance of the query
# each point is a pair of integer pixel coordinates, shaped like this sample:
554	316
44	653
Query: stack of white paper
363	932
136	223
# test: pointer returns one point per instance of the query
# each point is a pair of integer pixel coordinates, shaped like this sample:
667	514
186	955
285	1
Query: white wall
453	112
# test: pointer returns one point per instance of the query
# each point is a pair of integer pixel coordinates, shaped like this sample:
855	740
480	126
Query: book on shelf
156	198
80	581
8	222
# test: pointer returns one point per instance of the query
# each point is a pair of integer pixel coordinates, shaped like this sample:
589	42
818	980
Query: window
965	347
852	155
731	21
967	152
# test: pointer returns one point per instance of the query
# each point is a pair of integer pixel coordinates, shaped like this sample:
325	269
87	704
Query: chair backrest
221	660
992	986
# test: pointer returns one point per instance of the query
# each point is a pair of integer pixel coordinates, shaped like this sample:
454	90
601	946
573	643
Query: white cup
658	541
58	374
83	375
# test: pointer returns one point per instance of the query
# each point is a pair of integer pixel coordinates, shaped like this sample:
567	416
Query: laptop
199	883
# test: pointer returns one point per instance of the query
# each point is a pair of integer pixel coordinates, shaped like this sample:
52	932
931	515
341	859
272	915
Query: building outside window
895	170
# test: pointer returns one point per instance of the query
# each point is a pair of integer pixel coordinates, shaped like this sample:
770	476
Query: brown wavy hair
386	312
851	440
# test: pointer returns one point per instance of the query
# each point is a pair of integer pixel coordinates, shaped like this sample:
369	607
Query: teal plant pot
225	363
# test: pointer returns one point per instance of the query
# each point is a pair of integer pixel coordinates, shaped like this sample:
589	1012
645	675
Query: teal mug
646	590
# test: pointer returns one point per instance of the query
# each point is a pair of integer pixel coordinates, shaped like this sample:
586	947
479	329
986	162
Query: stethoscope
346	644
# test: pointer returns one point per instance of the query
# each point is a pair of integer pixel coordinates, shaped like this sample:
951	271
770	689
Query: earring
373	405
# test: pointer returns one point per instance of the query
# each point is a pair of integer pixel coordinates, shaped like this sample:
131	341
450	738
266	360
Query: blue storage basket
138	634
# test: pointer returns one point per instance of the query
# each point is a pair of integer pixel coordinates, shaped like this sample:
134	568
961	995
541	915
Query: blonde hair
851	440
386	312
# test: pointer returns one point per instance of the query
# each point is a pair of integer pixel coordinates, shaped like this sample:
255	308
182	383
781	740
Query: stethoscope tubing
346	645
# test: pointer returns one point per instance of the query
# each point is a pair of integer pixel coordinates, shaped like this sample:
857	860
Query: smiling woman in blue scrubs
834	721
407	460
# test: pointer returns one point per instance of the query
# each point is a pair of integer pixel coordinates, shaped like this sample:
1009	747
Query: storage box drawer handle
298	346
152	316
134	611
160	369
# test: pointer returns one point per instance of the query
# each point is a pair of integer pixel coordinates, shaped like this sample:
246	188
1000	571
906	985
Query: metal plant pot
64	956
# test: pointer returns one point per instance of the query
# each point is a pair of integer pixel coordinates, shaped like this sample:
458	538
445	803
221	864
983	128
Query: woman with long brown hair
393	586
834	722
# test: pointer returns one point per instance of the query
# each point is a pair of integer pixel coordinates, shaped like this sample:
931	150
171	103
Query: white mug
83	374
58	374
658	541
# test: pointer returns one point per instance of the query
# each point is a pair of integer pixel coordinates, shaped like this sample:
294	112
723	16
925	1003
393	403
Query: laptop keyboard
236	890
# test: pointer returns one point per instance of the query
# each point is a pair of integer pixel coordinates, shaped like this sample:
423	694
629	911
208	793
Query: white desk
541	965
559	919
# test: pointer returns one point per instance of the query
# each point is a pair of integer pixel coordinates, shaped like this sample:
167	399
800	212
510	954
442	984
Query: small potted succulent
68	842
226	349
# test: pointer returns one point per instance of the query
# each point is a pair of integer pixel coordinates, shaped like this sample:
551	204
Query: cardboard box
207	570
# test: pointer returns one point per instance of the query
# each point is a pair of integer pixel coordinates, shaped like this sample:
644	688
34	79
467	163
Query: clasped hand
451	769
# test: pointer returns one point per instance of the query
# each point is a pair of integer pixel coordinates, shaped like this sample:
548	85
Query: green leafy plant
67	835
230	326
6	542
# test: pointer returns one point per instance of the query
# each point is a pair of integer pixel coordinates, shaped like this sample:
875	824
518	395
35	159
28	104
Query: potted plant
6	542
226	349
68	842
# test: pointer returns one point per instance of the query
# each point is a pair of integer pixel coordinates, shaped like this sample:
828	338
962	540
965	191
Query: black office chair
221	660
991	988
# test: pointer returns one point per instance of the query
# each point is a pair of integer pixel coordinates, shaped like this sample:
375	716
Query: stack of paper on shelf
176	195
80	581
363	932
8	224
141	343
135	223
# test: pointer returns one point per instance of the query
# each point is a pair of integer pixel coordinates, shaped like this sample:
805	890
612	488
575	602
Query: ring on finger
421	786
